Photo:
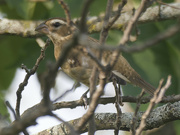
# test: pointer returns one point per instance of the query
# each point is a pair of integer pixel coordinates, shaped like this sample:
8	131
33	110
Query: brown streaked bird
78	65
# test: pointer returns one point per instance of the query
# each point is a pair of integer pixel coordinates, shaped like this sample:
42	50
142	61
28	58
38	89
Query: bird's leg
119	98
118	103
113	77
84	99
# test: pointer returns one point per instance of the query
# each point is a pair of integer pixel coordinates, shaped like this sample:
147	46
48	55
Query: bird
78	65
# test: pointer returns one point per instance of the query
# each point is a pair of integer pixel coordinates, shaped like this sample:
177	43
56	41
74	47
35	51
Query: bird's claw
84	99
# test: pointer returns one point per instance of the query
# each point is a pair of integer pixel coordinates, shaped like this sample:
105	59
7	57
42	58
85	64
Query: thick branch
30	115
106	121
26	28
150	15
104	101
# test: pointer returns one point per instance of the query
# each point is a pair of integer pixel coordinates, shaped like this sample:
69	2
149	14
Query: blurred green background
152	64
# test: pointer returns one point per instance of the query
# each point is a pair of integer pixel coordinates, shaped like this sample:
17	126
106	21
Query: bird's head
55	28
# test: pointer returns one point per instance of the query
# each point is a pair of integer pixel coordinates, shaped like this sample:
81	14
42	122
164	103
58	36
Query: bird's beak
42	28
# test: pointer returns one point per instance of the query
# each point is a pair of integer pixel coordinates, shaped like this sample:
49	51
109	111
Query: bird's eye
56	24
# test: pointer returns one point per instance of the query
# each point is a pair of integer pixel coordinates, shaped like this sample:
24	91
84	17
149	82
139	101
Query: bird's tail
147	87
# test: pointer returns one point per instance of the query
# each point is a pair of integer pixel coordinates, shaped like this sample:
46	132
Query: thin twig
96	95
21	128
162	3
134	120
128	30
104	31
84	12
94	102
117	105
50	75
149	109
70	127
66	11
104	101
12	110
120	7
28	75
94	58
93	81
133	20
145	45
15	116
163	90
153	41
75	85
45	107
159	93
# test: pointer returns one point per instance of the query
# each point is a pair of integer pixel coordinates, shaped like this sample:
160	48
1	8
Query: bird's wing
123	69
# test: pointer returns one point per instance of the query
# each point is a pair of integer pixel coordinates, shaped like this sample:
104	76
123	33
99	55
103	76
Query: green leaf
24	8
6	57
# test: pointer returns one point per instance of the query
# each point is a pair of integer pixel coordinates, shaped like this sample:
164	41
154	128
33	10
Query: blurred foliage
152	64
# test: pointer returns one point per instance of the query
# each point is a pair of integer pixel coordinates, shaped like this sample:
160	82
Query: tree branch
26	28
106	121
158	94
28	75
30	115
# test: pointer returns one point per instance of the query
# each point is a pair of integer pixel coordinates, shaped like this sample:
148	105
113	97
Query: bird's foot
84	99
